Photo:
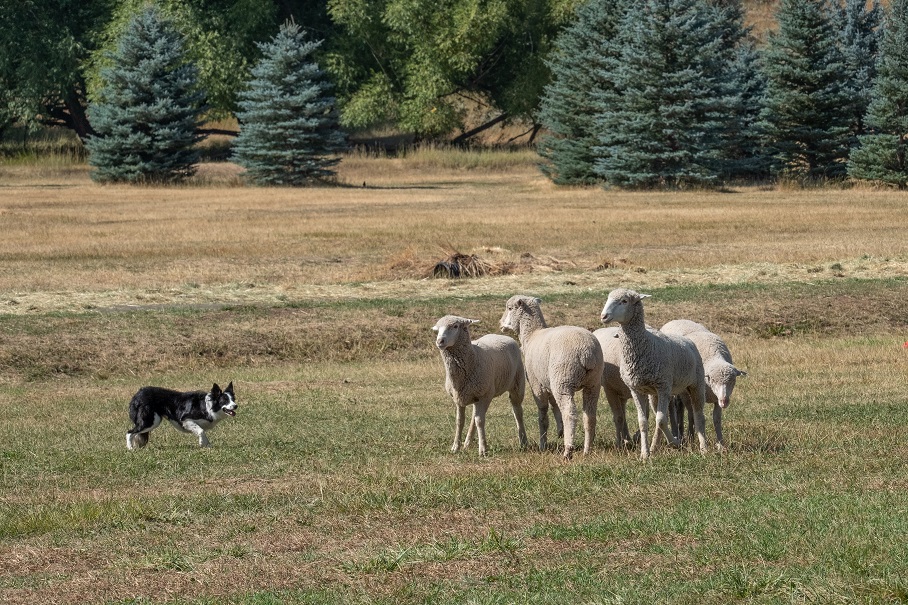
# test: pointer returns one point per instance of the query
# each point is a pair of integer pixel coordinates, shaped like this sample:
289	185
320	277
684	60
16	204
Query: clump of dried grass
456	264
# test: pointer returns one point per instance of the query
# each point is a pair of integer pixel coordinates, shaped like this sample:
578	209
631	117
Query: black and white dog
193	412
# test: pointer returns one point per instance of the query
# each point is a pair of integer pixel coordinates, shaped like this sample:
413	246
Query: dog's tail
135	441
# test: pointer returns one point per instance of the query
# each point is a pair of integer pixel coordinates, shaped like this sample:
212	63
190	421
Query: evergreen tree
744	87
569	103
744	153
149	107
289	132
861	34
806	114
661	124
883	154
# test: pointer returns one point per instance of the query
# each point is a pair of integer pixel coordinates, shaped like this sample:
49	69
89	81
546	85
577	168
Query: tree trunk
470	133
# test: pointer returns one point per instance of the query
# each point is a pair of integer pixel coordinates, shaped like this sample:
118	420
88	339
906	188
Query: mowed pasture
335	483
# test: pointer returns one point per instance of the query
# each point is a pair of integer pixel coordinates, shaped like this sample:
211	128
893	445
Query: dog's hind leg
137	436
135	441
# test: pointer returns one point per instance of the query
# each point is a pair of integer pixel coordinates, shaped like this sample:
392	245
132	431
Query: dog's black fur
191	412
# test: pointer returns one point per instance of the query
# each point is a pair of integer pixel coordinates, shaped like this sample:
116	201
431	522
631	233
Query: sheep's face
450	328
516	307
621	305
722	382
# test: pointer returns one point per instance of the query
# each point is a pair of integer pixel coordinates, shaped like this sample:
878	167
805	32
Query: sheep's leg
662	423
590	404
470	428
517	409
676	417
689	406
643	422
542	404
717	424
479	415
558	414
566	405
458	428
697	397
619	417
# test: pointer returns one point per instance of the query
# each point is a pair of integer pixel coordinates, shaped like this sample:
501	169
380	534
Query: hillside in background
761	15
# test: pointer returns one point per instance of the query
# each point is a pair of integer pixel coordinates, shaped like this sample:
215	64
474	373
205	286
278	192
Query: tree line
668	93
630	93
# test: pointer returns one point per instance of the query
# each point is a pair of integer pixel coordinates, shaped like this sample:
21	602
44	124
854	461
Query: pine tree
568	105
861	34
744	87
806	118
149	107
883	154
744	154
289	133
661	124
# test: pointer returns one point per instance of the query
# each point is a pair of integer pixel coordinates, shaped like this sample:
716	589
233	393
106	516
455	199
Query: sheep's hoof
455	448
568	453
720	447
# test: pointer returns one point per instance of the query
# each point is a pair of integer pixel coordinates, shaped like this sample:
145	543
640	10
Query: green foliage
420	64
148	108
289	131
661	121
806	116
882	154
569	104
219	38
43	53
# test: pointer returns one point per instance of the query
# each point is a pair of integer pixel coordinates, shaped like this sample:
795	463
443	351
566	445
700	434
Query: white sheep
718	368
559	361
616	392
656	365
476	373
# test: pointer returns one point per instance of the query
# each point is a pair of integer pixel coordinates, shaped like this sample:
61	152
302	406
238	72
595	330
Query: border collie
193	412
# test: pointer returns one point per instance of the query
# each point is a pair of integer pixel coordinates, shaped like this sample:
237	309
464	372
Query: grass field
335	484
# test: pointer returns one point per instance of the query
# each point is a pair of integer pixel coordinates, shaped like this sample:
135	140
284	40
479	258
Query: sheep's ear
740	372
642	296
474	321
538	301
435	328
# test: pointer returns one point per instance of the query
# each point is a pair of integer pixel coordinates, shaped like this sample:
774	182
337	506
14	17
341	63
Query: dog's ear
229	388
215	391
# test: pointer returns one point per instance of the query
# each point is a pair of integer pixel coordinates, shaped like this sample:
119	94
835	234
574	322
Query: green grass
334	484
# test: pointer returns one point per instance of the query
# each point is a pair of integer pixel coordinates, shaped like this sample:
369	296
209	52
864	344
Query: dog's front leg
198	431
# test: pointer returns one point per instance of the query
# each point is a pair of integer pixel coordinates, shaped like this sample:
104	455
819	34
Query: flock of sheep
678	368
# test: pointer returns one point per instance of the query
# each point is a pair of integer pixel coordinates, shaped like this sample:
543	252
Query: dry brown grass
335	480
71	244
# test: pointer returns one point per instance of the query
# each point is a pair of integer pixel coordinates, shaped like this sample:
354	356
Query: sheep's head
451	328
622	305
721	377
517	307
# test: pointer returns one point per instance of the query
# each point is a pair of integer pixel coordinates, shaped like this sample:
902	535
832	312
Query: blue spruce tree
883	153
148	107
569	105
861	33
806	117
289	132
744	87
661	123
